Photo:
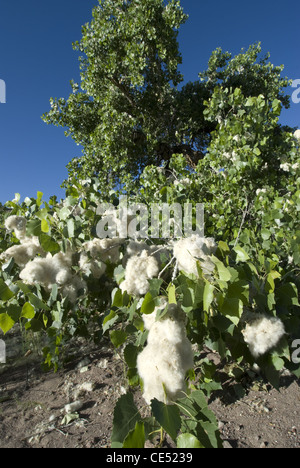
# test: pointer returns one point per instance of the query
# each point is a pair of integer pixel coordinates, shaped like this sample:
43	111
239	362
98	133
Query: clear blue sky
37	62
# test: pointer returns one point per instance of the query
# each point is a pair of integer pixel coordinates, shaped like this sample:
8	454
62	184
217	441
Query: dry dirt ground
32	405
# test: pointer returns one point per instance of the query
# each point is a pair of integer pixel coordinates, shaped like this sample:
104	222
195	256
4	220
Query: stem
246	211
167	266
161	437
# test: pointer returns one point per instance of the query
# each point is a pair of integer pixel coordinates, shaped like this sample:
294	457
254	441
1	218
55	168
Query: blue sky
37	62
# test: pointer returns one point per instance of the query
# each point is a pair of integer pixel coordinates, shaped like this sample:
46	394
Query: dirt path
32	406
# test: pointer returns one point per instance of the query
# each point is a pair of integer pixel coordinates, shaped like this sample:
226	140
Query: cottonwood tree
131	108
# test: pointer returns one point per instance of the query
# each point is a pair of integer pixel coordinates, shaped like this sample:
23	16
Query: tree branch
124	91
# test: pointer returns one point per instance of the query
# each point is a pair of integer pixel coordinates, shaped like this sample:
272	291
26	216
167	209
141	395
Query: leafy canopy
131	109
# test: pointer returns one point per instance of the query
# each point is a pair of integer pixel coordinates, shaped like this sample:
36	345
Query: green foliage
129	110
129	76
126	416
188	422
256	272
217	142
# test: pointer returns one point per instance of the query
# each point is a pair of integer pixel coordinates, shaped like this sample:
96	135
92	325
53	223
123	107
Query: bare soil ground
32	405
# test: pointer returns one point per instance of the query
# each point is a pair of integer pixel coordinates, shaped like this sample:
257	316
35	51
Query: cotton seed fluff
163	364
262	334
192	249
139	269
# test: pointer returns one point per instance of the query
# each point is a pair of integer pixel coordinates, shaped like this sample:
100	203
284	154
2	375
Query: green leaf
6	323
240	290
71	228
188	441
148	304
28	311
45	226
117	298
118	337
14	311
276	105
288	295
126	415
34	325
233	309
242	255
208	434
136	437
39	198
265	234
155	285
193	404
270	284
172	294
208	296
130	355
36	302
223	272
53	295
109	320
5	293
224	249
24	287
48	244
17	197
64	213
188	296
33	228
119	274
278	362
167	416
271	373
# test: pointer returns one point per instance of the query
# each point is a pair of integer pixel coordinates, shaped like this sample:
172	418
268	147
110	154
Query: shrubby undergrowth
236	291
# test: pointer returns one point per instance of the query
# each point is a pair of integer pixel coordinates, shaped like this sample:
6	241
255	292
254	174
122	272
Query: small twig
61	432
246	211
175	272
167	266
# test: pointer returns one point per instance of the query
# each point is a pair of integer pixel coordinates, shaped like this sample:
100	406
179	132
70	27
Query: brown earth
32	405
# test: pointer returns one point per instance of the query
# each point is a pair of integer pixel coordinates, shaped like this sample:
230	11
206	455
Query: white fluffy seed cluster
39	267
48	271
142	262
23	253
28	248
163	363
104	249
263	333
192	249
95	253
18	225
51	270
139	269
297	135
